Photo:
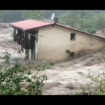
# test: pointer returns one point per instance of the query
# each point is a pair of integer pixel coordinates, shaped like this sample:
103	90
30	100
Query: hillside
86	20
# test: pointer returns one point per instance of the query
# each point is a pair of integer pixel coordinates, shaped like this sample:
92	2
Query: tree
100	21
11	15
70	18
80	19
34	14
17	15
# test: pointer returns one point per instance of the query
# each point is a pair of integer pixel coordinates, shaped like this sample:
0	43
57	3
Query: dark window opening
72	36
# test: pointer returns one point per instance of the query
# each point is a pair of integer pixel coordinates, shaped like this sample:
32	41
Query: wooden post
36	46
21	36
14	34
19	48
32	54
26	45
26	53
32	45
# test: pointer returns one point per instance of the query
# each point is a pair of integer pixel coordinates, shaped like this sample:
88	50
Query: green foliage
95	87
85	20
68	51
17	15
100	21
18	80
7	58
33	14
70	18
91	30
11	15
44	66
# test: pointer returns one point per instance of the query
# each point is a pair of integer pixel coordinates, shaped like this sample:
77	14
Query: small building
50	41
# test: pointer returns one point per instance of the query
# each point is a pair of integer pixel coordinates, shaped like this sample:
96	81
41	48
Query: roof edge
53	23
79	30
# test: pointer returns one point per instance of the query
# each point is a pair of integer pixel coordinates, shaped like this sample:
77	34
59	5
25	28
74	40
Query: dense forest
87	20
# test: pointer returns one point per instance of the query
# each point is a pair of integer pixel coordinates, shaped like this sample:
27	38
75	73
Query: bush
71	54
18	80
44	66
95	87
68	51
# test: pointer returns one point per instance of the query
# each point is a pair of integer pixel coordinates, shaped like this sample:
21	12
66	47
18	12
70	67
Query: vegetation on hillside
87	20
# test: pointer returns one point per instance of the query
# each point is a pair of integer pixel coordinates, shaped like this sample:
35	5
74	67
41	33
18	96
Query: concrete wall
53	41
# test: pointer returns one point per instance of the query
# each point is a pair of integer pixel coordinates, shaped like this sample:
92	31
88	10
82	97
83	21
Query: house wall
53	41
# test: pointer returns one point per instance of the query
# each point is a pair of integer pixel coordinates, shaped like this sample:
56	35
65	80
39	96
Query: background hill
87	20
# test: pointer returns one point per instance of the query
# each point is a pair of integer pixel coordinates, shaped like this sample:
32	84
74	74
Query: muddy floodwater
64	78
7	44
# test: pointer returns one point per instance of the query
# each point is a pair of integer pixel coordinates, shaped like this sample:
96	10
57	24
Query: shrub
95	87
71	54
68	51
18	80
44	66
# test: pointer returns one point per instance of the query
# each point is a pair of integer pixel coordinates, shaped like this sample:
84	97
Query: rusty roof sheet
30	24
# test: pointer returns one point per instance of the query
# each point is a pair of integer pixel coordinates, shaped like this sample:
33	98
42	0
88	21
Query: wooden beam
14	34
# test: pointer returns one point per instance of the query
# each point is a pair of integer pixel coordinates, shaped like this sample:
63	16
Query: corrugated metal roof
30	24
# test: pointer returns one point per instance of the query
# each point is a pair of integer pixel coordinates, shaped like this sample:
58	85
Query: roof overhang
35	24
81	31
30	24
